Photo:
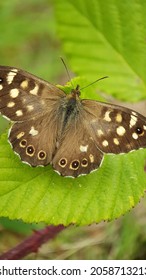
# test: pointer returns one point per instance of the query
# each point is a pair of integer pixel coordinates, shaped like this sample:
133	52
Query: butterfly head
75	93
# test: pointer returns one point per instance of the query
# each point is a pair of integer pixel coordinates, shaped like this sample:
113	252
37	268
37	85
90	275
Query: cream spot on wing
1	87
133	120
57	144
118	118
91	157
128	146
24	84
34	91
144	127
105	143
94	120
21	134
14	92
19	113
116	141
11	75
30	108
83	148
135	136
99	132
134	113
107	117
43	102
11	104
121	130
24	100
33	131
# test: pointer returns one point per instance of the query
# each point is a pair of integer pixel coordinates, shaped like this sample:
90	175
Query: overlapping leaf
106	38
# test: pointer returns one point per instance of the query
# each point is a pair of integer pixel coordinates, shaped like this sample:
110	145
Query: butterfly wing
24	96
35	140
114	129
77	153
33	104
98	128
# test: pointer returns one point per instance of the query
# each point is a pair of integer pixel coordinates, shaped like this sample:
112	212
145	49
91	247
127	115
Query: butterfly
70	133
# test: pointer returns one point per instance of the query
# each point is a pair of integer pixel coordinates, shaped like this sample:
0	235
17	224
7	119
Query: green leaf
39	194
106	38
18	226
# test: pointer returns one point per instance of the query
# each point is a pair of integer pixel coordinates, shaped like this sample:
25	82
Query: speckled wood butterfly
70	133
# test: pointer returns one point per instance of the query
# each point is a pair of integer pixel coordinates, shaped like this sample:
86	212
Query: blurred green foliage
28	39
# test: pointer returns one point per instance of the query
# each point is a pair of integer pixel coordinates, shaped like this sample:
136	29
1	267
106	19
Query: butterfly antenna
95	82
68	74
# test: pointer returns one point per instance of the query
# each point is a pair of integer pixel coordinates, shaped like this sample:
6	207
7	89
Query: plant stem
32	243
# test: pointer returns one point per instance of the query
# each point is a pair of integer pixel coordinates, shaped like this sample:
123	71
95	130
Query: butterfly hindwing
77	154
34	140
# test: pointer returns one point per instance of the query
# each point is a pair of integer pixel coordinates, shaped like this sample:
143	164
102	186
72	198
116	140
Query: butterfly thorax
71	106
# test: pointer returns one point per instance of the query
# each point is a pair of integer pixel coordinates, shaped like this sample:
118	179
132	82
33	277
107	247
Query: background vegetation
29	40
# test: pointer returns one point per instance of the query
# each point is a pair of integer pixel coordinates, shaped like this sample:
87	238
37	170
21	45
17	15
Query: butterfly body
69	108
70	133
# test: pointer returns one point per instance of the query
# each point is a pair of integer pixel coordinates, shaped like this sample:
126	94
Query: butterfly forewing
51	127
115	129
24	96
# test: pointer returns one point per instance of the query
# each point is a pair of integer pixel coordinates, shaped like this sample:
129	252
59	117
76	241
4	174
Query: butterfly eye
139	131
23	143
30	150
41	155
75	164
84	162
62	162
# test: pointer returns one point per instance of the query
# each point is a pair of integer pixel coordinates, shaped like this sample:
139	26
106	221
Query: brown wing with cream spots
24	96
114	129
35	140
77	153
